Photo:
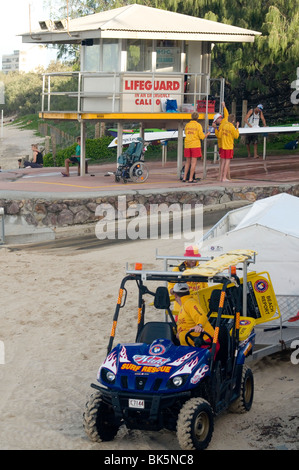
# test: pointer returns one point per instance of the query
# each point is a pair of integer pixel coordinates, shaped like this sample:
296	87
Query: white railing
105	92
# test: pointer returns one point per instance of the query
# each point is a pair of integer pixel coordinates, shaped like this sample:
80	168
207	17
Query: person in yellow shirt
191	315
218	122
228	133
192	150
193	251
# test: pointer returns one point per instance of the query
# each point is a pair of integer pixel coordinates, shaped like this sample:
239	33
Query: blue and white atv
155	383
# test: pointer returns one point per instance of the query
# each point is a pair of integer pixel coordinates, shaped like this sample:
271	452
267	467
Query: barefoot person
192	151
73	159
219	121
228	133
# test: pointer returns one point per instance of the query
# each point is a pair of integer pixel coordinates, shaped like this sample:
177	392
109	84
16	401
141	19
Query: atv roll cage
229	285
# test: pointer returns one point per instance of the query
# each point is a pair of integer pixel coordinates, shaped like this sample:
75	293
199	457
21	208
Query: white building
27	60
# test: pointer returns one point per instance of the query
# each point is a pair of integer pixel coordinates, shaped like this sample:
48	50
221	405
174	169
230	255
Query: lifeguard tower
134	59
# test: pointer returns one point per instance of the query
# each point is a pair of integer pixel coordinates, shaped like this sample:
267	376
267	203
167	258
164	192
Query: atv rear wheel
195	424
99	420
244	401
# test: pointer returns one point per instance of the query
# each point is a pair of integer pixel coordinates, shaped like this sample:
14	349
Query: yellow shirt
193	286
224	120
228	133
194	134
190	315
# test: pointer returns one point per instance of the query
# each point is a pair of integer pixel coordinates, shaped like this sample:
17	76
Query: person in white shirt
252	119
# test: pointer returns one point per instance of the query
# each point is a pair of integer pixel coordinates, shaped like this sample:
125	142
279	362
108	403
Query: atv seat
155	330
162	300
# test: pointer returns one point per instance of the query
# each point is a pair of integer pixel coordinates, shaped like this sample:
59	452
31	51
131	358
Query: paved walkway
48	182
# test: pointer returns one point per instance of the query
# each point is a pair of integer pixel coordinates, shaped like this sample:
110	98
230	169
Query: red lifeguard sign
147	95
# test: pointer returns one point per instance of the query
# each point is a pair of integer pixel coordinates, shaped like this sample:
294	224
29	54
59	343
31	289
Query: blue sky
14	20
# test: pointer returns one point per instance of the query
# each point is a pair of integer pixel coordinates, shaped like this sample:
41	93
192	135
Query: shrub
96	150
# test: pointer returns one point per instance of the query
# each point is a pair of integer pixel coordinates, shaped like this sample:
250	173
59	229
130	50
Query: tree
261	70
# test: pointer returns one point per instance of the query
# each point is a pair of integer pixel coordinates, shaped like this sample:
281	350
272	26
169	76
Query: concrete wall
43	213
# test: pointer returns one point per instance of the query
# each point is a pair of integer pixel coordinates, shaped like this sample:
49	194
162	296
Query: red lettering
142	101
147	85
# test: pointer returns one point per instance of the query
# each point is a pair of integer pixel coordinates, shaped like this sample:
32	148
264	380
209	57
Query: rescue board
173	135
217	265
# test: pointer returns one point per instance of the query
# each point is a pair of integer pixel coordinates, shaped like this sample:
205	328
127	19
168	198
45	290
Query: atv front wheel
244	401
99	420
195	424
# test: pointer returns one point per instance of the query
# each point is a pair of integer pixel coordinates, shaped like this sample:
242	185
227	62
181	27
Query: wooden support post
53	142
244	111
47	144
102	129
97	130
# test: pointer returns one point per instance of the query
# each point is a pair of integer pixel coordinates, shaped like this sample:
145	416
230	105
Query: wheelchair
131	165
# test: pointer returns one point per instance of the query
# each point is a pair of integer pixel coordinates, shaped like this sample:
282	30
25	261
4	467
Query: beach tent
269	226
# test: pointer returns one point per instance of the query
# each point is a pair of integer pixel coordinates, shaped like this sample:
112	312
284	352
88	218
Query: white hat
181	288
260	106
217	115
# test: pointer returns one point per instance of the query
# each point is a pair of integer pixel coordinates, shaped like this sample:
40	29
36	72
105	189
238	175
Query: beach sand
56	315
15	144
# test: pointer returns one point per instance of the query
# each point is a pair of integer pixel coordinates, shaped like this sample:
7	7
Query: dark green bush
96	150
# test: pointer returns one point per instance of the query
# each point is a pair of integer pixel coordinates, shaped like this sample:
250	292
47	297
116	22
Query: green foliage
23	90
262	70
96	149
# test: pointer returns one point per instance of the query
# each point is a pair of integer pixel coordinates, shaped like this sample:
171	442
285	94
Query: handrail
116	91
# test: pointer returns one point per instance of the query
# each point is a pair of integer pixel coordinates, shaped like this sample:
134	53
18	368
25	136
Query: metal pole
119	139
244	310
82	148
79	93
43	94
206	129
180	149
2	226
1	134
49	93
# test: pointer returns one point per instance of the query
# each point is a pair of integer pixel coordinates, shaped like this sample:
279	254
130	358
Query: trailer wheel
195	424
244	402
98	420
